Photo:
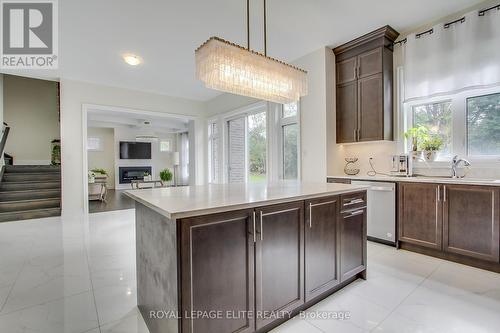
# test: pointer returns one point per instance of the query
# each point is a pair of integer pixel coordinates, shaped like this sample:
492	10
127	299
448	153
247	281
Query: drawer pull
354	202
356	212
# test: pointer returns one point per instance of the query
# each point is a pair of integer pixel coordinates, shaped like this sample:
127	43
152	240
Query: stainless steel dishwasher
381	211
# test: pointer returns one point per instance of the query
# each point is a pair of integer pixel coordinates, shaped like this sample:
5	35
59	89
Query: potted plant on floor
431	147
166	175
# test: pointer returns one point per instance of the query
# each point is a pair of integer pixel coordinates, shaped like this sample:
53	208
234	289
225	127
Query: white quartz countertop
187	201
423	179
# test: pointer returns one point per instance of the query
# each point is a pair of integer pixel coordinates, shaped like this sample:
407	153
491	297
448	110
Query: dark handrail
5	134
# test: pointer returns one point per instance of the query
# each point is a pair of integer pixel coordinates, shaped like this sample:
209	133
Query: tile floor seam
92	286
17	278
407	296
43	303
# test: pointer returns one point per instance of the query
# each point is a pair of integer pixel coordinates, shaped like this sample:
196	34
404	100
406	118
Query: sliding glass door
247	148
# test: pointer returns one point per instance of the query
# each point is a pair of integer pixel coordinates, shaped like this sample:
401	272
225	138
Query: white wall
31	110
74	94
313	116
159	160
105	158
226	103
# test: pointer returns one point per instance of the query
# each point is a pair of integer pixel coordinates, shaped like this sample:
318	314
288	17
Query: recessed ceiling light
132	59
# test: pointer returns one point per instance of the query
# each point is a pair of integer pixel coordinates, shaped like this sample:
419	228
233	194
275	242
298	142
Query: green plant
166	175
418	135
100	171
146	173
433	143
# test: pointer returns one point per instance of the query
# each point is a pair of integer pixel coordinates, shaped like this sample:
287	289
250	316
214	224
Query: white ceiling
95	33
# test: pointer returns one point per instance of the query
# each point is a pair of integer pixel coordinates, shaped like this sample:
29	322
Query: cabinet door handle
438	193
254	236
261	228
355	135
310	215
444	193
359	134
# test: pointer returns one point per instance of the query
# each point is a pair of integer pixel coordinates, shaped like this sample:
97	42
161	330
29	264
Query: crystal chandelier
228	67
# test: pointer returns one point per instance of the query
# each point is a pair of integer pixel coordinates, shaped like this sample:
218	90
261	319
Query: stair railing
5	134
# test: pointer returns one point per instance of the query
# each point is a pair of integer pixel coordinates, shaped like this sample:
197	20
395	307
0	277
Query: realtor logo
29	34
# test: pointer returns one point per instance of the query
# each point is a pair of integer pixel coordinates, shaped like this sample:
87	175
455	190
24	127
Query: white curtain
464	56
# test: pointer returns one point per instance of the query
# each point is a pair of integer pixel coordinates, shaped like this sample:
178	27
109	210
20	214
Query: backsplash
381	153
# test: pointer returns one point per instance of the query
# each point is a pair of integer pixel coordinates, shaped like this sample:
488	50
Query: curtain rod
460	20
426	32
484	11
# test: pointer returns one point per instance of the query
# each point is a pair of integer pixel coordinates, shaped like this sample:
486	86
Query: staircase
29	192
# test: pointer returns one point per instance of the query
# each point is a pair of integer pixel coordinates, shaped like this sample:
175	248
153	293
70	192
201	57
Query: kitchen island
241	257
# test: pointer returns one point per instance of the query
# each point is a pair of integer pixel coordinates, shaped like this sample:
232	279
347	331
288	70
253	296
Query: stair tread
35	213
32	181
30	200
31	191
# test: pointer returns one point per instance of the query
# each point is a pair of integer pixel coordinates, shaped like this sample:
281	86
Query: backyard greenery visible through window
257	147
483	125
437	118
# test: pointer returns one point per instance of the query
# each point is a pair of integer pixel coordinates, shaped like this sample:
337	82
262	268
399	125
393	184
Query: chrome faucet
455	162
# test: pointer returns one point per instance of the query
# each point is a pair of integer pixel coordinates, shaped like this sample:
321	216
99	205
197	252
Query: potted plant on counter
417	136
166	175
431	146
147	176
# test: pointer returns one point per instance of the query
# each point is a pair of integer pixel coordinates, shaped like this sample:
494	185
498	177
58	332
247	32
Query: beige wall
104	159
31	110
313	114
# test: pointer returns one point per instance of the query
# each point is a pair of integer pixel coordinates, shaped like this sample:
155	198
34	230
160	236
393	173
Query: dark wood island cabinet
248	269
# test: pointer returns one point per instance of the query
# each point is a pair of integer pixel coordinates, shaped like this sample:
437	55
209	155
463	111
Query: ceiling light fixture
132	59
228	67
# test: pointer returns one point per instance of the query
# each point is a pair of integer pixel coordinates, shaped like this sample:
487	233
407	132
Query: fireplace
127	174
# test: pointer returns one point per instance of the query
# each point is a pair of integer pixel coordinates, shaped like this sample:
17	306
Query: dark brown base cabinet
455	222
248	267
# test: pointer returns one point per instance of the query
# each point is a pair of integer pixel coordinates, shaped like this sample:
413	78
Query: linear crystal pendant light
228	67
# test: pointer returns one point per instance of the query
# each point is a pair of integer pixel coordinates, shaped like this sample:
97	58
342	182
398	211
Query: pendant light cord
248	25
265	27
265	30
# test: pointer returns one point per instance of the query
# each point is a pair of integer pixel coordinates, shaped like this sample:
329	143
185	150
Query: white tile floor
78	275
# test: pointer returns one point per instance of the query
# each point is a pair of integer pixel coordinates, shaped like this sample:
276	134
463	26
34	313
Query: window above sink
468	122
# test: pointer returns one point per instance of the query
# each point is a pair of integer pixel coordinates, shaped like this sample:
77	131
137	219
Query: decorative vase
417	155
430	155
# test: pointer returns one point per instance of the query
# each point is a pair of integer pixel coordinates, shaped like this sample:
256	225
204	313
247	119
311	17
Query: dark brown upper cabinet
364	92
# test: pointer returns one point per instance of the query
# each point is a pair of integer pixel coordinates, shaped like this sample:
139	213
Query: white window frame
100	143
240	113
169	145
282	122
459	124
